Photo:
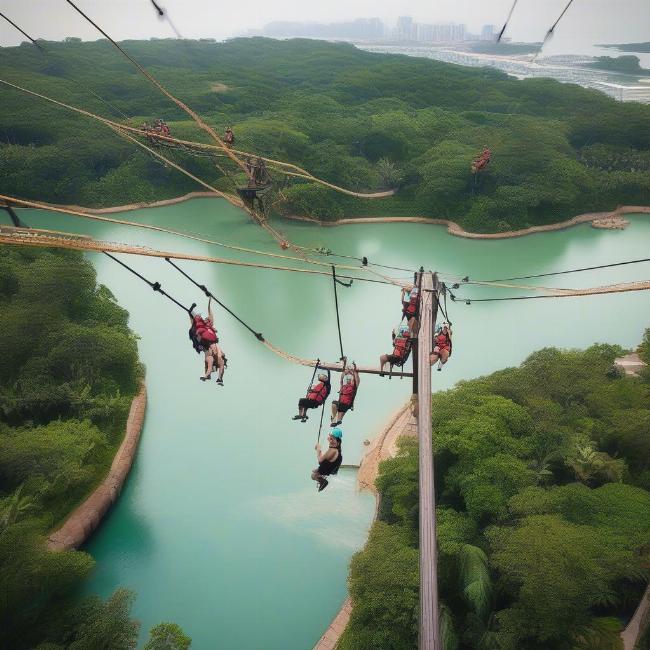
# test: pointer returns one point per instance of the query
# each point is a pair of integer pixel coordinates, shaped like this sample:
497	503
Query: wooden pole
429	628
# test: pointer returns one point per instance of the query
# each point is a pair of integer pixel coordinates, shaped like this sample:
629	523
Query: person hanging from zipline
316	396
350	381
441	345
330	460
229	137
203	335
411	306
402	342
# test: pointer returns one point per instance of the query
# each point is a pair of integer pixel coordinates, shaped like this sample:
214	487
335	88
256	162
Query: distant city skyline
587	21
406	30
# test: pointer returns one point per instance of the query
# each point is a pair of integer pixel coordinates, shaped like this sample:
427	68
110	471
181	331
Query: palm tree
590	465
14	507
389	173
475	582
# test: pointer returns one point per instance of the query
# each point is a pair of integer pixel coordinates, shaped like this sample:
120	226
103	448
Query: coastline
383	446
86	517
453	228
457	230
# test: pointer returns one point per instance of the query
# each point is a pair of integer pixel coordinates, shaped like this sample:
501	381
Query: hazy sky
586	22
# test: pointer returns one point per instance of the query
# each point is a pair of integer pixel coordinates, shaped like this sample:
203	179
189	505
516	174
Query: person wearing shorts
328	461
350	381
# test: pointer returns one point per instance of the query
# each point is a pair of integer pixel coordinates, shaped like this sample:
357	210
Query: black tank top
327	467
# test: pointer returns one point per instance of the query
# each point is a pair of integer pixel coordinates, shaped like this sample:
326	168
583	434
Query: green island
363	121
65	393
543	510
630	47
627	64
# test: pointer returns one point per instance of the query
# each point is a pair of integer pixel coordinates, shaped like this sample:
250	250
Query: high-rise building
488	32
406	29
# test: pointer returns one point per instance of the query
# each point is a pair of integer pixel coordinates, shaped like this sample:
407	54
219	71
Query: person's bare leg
334	413
383	360
434	358
444	355
339	416
209	363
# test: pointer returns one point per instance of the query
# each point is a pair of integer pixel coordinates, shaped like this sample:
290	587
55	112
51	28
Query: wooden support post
429	628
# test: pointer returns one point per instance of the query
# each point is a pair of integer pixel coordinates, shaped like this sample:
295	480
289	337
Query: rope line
52	239
200	145
13	24
336	304
209	294
585	268
154	285
172	231
640	285
201	124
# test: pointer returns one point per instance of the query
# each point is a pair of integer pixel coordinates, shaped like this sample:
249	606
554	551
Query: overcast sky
586	22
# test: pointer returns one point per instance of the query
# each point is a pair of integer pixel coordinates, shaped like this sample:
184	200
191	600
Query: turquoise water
219	527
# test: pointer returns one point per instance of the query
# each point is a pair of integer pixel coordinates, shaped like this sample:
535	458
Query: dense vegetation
627	64
362	120
631	47
542	483
68	371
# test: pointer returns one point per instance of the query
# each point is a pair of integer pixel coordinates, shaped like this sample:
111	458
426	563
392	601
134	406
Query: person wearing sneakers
441	345
330	460
350	381
316	396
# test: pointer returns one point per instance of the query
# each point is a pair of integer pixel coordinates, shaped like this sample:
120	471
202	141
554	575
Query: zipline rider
350	381
329	461
316	396
204	337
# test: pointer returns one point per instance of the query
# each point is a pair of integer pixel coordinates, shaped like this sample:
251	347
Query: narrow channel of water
219	527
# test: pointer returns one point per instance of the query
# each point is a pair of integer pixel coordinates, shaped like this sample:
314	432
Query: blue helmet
337	433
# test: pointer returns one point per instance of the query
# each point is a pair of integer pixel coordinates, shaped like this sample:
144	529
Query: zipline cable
551	31
505	25
11	22
154	285
585	268
171	231
162	13
336	304
53	239
159	136
202	125
640	285
209	294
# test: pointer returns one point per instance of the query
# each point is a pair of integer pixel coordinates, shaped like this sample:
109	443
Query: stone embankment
401	423
83	521
457	230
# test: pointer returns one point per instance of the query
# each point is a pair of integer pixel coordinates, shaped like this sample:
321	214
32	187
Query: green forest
68	371
361	120
543	517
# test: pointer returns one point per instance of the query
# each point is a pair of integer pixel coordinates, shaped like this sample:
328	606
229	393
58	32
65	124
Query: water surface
219	527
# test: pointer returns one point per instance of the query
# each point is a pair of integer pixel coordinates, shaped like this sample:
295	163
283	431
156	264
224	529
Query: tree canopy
358	119
543	512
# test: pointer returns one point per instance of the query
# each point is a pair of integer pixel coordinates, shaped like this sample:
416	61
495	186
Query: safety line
585	268
33	237
209	294
156	286
641	285
202	125
11	22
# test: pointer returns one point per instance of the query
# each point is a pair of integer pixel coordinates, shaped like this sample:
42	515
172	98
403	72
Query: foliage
68	371
167	636
542	520
361	120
